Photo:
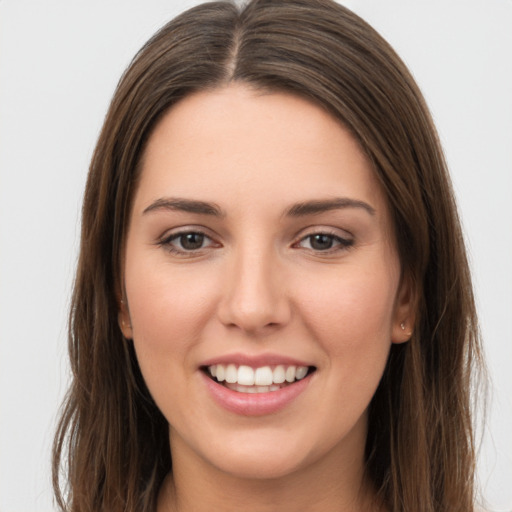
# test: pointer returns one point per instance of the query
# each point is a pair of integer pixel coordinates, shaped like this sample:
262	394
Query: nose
254	298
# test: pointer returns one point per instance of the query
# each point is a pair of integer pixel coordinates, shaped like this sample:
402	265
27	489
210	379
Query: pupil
321	242
192	241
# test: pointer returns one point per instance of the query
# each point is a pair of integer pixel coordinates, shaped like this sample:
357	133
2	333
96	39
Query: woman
272	307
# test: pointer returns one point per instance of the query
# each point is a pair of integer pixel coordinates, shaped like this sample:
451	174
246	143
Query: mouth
263	379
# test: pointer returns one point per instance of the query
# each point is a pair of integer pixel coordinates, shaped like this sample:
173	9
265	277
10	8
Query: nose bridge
254	297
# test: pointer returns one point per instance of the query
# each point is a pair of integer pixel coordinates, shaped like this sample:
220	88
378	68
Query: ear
405	311
124	320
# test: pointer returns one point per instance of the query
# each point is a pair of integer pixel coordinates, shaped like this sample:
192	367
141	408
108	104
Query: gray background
59	64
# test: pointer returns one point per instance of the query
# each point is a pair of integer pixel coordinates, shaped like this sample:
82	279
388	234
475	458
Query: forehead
241	147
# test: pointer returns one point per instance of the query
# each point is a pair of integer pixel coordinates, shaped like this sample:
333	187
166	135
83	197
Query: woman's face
260	248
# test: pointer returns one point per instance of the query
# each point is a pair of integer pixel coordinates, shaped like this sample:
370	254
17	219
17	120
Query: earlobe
124	320
405	312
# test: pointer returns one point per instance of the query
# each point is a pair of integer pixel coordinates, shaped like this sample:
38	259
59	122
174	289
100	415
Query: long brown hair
112	441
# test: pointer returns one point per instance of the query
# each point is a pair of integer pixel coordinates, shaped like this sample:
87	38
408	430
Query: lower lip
255	404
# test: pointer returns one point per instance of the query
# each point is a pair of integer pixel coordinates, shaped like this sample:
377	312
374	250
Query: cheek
352	311
168	311
351	320
167	308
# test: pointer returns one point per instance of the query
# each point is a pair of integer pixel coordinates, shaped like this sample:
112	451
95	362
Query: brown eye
186	242
191	241
321	242
324	242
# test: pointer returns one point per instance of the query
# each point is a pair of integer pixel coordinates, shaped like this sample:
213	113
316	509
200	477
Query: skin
259	285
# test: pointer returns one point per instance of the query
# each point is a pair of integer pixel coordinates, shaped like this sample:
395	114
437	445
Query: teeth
300	372
246	376
263	376
253	389
278	376
290	374
231	374
256	379
220	372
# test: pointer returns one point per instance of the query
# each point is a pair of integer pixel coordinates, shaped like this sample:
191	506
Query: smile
264	379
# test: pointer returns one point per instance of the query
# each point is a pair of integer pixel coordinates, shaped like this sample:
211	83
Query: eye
324	242
186	242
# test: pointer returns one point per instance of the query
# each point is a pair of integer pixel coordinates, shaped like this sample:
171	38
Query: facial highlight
263	287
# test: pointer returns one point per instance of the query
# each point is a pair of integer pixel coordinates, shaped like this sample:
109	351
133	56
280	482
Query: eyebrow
316	207
185	205
313	207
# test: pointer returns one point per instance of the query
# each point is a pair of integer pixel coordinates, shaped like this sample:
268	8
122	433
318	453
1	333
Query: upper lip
255	361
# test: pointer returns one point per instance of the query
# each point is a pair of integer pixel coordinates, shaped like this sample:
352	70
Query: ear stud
402	326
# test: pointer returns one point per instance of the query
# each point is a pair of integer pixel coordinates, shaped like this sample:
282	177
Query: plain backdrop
59	64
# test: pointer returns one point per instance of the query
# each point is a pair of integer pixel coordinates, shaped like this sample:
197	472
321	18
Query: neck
335	483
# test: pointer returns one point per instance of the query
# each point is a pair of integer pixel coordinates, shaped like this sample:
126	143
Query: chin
264	466
262	457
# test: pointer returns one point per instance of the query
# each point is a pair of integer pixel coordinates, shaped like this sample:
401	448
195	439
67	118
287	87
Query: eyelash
167	242
337	242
